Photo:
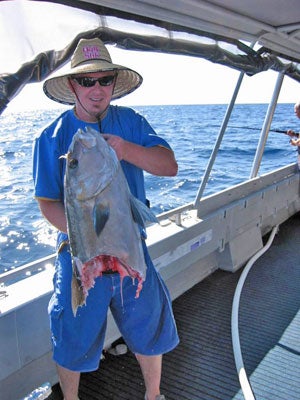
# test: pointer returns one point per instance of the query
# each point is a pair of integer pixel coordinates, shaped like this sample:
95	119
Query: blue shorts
146	324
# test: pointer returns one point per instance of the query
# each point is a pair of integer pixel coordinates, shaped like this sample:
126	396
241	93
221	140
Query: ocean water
190	129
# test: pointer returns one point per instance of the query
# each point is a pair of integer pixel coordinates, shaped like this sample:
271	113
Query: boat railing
26	271
206	206
245	189
215	201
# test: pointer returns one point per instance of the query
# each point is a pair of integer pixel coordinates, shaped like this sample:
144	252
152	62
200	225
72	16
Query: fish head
91	164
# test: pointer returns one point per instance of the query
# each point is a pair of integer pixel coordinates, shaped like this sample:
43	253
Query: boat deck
202	366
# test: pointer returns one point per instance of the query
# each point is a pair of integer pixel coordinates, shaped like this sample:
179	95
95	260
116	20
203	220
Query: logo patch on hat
90	52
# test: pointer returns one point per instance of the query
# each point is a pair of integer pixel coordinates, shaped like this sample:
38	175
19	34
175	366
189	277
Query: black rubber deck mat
202	366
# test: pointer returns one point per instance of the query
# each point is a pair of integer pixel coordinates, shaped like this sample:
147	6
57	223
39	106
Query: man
292	134
147	323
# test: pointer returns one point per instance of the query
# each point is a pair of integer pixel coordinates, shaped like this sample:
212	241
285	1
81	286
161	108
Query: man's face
297	111
93	93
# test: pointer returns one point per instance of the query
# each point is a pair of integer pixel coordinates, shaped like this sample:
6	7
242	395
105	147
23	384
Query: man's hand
291	133
295	142
117	143
156	160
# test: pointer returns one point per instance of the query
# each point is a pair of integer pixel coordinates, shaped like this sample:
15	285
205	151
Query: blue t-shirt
54	141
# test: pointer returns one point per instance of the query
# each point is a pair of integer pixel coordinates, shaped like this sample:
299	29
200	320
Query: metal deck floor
202	366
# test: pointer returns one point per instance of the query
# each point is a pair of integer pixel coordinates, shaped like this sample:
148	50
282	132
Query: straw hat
89	56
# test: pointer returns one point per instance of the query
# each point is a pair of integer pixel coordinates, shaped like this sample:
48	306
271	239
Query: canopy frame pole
266	127
218	141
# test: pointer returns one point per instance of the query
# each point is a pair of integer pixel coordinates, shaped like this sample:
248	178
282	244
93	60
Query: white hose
244	382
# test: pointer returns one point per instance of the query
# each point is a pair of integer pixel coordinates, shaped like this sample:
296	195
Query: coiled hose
244	382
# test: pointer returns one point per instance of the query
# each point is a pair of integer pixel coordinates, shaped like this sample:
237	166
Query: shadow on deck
202	366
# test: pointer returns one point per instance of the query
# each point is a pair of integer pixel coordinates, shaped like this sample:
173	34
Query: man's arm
54	212
295	142
156	160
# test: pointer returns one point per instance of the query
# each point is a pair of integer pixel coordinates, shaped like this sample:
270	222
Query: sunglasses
90	82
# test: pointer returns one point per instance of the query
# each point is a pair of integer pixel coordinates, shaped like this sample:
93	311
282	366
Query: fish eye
73	163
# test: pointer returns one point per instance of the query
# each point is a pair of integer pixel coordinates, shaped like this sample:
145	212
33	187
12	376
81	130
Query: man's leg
69	382
151	369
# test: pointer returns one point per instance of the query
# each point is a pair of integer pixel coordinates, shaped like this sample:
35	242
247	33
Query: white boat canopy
38	37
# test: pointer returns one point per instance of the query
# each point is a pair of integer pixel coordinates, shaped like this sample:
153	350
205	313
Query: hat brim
57	88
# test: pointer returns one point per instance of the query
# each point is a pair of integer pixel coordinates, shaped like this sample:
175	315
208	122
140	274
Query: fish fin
100	217
140	212
78	298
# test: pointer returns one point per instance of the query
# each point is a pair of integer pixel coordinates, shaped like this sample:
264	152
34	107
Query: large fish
104	219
